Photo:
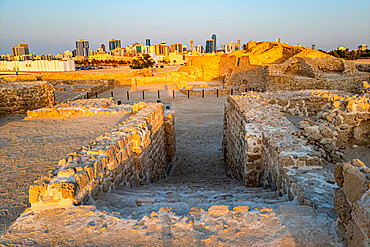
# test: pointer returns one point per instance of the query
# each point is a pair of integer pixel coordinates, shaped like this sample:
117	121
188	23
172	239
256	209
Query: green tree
144	61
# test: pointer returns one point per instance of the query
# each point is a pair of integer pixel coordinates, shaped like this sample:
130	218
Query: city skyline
52	27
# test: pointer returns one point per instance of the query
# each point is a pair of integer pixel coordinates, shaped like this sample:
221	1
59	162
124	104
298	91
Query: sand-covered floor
30	148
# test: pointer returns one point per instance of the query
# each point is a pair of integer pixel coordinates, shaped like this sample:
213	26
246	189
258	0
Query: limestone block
325	131
141	201
68	190
285	160
330	117
66	172
354	236
338	175
361	133
82	179
342	207
355	182
342	138
35	191
361	214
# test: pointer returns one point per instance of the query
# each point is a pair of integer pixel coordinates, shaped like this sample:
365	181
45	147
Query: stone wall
250	79
163	78
169	127
208	65
352	202
18	97
350	83
123	78
263	148
83	107
133	153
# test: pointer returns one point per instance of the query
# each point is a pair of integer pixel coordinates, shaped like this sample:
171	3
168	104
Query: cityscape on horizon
48	30
117	51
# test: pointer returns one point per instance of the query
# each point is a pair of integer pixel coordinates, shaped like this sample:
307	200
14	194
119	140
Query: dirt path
30	148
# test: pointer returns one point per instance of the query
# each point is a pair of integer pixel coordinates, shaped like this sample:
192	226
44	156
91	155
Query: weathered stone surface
355	183
352	203
144	200
19	97
35	191
338	175
133	153
342	207
293	211
218	210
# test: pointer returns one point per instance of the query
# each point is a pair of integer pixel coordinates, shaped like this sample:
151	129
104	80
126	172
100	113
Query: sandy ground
363	61
30	148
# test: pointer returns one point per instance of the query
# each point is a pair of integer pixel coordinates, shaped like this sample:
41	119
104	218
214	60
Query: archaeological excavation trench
228	170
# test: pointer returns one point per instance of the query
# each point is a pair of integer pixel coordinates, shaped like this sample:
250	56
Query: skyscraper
114	44
214	42
210	46
147	42
102	47
82	48
191	45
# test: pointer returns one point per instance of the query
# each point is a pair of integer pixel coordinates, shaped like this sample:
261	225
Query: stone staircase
181	194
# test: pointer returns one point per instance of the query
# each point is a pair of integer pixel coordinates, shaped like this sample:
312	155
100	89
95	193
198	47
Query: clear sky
51	26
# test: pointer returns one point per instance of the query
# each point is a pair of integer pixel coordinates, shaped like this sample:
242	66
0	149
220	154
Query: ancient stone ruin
290	141
136	152
18	97
295	145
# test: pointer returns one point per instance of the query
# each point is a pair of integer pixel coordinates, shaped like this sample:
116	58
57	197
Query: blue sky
51	26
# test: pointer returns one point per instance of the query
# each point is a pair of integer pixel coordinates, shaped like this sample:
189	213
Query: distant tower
191	45
238	42
210	46
82	48
102	47
147	42
277	40
214	42
313	47
114	44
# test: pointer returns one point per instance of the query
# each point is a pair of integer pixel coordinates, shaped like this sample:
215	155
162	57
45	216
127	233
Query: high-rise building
147	42
102	47
214	42
114	44
176	47
210	46
82	48
191	45
238	42
313	47
21	50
